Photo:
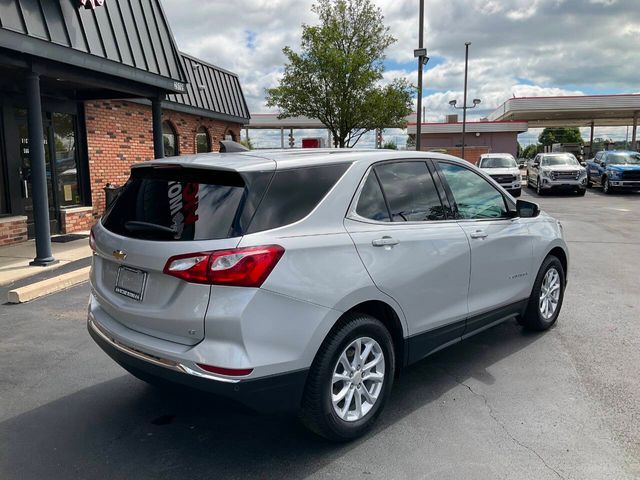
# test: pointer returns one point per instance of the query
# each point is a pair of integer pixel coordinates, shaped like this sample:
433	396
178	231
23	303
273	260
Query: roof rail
229	146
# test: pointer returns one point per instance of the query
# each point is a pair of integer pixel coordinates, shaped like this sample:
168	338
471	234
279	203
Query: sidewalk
14	259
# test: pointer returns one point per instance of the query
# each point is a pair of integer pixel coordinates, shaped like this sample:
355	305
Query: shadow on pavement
125	429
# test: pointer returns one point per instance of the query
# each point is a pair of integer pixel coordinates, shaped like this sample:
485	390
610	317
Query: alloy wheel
549	294
358	379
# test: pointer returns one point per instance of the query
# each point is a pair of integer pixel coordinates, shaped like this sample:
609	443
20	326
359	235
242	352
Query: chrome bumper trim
161	362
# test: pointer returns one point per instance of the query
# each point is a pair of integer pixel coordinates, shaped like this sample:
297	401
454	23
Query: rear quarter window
293	194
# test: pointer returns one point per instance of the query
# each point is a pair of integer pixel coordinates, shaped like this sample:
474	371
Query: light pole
421	54
465	107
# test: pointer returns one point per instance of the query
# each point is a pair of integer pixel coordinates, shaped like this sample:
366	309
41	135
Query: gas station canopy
571	111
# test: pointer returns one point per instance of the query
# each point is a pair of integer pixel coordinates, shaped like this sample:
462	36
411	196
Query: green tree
549	136
390	145
530	151
336	75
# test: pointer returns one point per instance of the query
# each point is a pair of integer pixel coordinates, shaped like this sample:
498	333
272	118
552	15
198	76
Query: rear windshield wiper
136	226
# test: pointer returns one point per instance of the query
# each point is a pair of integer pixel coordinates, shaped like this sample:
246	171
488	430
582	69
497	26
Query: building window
170	139
203	144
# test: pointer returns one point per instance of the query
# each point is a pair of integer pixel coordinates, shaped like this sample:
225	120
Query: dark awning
129	39
211	92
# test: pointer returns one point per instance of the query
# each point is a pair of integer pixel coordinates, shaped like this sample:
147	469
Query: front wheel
547	296
606	186
350	379
538	187
581	191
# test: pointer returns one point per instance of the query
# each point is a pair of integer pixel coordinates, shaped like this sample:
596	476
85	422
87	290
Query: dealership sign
91	4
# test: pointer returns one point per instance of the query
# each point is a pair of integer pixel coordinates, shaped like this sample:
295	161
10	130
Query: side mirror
584	164
536	164
526	209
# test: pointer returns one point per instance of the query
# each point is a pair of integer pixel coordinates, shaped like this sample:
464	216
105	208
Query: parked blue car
615	169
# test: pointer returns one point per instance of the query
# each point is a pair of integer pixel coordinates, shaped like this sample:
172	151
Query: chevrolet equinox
305	279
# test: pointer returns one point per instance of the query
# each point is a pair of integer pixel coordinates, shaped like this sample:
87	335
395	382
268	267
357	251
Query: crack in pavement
500	424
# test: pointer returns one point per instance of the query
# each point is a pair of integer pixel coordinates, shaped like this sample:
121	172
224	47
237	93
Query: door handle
25	185
384	242
479	234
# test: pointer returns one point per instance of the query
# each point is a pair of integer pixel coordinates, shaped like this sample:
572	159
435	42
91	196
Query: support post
44	256
634	144
420	67
282	137
156	113
246	133
591	141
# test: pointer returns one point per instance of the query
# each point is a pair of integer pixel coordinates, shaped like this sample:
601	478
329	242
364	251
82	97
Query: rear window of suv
185	204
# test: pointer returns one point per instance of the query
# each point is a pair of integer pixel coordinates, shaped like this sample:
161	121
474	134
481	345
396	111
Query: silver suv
307	279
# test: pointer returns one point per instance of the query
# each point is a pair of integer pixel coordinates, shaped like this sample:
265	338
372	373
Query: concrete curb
48	286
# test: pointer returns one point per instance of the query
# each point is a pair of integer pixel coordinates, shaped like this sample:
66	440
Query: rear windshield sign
183	205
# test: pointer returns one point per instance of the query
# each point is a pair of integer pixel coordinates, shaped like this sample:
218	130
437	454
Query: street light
421	54
465	107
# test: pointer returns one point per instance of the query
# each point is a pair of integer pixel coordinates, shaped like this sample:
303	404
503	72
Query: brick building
105	87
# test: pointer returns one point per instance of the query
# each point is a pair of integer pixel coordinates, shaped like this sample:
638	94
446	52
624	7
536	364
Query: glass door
25	172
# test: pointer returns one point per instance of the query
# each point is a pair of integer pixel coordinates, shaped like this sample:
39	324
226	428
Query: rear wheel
547	296
350	379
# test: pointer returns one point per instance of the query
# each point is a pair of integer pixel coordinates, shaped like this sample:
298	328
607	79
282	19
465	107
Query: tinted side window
410	191
293	194
474	196
371	202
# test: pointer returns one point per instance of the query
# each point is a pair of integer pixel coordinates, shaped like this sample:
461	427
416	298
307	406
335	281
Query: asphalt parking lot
504	404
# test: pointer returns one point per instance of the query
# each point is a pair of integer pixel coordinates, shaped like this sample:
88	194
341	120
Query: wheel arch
561	255
386	314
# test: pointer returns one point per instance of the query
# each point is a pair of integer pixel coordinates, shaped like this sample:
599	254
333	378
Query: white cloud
519	47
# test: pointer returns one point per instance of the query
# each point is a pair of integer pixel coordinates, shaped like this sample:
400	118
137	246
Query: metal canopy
129	39
211	92
570	111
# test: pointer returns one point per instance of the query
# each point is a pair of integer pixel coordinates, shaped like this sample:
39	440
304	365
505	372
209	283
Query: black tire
529	184
589	184
581	191
533	318
606	186
517	193
317	412
539	190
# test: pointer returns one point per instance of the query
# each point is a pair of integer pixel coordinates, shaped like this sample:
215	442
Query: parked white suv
503	168
307	279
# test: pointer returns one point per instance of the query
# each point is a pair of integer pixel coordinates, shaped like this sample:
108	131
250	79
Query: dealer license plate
130	282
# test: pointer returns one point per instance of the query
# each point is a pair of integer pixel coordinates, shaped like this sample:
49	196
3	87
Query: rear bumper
275	393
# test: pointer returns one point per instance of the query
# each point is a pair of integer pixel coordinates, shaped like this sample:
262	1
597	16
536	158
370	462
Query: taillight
92	240
240	267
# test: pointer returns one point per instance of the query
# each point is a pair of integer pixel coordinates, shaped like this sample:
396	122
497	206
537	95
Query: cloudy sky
519	47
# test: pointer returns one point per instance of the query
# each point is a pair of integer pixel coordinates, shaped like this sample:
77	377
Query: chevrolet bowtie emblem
119	255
